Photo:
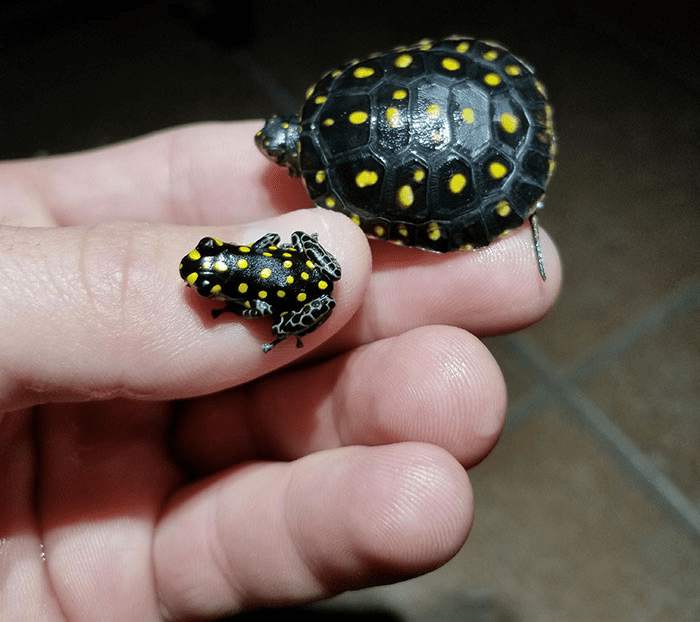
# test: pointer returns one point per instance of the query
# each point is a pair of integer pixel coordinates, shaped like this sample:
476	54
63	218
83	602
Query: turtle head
278	142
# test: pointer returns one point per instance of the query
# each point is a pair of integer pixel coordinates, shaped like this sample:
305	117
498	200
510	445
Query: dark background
588	508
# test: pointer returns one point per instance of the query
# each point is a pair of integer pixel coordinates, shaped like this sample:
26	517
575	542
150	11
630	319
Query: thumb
101	312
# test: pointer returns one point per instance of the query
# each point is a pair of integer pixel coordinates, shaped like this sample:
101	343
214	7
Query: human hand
155	464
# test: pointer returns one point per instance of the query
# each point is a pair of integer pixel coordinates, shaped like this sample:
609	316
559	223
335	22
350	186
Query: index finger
204	174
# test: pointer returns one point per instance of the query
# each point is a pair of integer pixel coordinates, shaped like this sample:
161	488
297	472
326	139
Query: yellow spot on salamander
243	288
404	197
403	61
215	290
194	255
246	304
497	170
400	94
220	266
218	242
357	117
451	64
320	177
322	285
301	297
281	293
491	55
433	111
242	264
244	249
509	122
192	278
262	294
492	79
287	264
366	178
457	183
393	117
310	264
305	276
468	115
266	254
265	273
503	208
434	231
289	280
363	72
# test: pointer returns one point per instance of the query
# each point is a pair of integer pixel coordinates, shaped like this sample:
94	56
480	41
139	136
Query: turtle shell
443	145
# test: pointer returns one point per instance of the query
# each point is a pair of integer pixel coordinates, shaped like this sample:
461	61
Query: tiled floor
589	508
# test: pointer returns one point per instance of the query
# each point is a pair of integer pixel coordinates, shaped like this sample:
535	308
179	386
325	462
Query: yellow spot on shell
393	117
192	278
366	178
466	247
491	55
400	94
330	202
320	99
356	219
419	175
503	208
289	280
468	115
328	122
320	177
497	170
363	72
509	122
403	61
425	44
379	231
403	230
194	255
220	266
265	273
434	231
433	111
404	197
357	117
310	91
457	183
513	70
242	264
243	288
492	79
462	47
322	285
451	64
216	289
301	297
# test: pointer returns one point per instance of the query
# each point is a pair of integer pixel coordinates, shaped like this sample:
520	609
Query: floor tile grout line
620	446
654	319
